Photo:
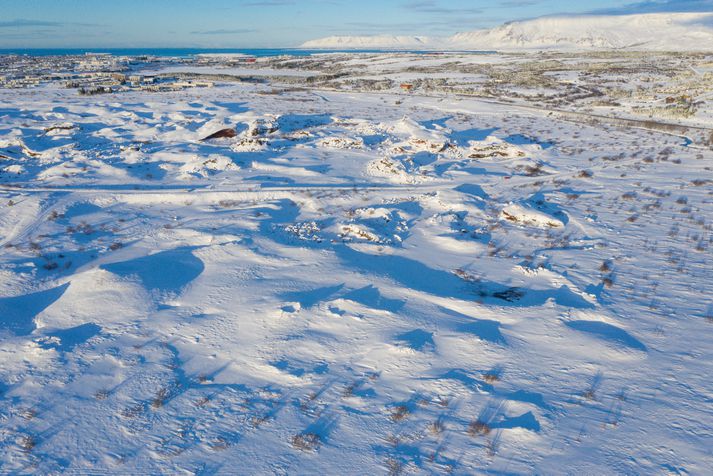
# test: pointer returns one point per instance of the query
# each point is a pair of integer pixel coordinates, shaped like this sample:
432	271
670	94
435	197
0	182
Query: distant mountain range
653	31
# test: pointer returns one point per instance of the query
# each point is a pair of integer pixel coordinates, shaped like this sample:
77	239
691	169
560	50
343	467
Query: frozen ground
357	283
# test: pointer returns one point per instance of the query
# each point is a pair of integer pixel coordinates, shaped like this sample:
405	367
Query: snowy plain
358	282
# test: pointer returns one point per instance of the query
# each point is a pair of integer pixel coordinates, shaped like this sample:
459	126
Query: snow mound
527	216
389	169
494	148
341	143
418	137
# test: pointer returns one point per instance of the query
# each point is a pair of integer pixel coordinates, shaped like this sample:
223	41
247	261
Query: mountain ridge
651	31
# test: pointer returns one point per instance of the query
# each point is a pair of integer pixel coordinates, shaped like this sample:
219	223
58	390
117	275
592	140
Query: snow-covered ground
227	70
357	282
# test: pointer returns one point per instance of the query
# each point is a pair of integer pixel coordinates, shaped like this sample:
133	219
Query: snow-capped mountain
379	41
656	31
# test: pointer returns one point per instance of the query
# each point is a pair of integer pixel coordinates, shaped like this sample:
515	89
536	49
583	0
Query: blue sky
272	23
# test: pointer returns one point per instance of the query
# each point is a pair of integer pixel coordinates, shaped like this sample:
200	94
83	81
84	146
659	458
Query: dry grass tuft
27	443
400	413
160	398
437	427
219	444
479	428
306	441
394	467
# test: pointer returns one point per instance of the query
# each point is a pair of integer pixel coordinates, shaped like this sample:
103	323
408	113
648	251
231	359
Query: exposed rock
228	133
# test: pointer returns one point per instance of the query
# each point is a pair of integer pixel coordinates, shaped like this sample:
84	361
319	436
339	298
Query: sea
188	52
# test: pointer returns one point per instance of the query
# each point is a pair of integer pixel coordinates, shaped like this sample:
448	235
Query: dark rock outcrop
222	134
